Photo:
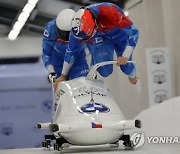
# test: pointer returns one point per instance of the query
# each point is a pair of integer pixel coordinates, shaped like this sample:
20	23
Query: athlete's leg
82	69
102	55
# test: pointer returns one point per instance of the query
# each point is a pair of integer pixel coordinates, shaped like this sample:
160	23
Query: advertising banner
159	75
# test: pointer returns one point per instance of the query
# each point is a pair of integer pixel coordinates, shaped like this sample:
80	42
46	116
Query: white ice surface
146	149
162	119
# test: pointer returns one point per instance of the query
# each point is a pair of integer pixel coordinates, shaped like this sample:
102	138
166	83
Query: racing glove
52	77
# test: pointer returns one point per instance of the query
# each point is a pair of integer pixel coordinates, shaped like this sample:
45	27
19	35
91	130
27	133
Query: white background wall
21	47
158	22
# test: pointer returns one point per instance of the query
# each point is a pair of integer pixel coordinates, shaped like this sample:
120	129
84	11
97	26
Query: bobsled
86	114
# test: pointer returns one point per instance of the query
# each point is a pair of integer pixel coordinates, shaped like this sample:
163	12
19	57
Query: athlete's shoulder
95	7
104	7
100	4
50	30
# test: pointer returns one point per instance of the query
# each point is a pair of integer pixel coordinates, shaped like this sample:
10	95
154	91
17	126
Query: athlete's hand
121	61
60	79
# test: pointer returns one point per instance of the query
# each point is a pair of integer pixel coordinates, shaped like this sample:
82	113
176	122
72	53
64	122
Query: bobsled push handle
95	67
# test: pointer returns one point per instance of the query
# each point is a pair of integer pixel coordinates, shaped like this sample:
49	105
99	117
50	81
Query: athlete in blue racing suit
55	42
107	22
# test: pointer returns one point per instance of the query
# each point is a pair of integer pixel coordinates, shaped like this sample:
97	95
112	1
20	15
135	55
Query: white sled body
87	113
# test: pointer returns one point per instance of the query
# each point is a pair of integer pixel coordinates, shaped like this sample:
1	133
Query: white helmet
64	18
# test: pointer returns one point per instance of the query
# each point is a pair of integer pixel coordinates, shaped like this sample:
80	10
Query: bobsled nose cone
53	128
38	126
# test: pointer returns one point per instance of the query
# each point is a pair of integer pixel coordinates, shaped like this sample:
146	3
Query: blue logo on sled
93	107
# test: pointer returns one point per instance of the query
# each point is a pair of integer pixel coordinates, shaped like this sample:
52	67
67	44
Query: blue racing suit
116	32
101	50
54	51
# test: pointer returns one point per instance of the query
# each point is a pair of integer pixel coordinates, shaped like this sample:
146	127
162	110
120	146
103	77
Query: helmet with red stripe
84	24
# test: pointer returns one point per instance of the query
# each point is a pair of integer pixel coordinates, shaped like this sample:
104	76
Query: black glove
52	77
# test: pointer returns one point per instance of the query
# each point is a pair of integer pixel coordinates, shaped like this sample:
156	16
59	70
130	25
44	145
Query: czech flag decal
96	125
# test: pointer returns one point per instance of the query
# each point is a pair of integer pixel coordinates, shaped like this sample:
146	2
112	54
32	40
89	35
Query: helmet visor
83	28
63	35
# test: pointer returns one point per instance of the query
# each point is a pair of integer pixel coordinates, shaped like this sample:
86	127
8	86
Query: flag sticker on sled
96	125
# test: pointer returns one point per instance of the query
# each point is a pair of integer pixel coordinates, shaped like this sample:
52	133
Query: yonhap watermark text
163	140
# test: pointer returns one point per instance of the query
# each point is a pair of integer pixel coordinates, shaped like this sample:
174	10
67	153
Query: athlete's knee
105	71
128	69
